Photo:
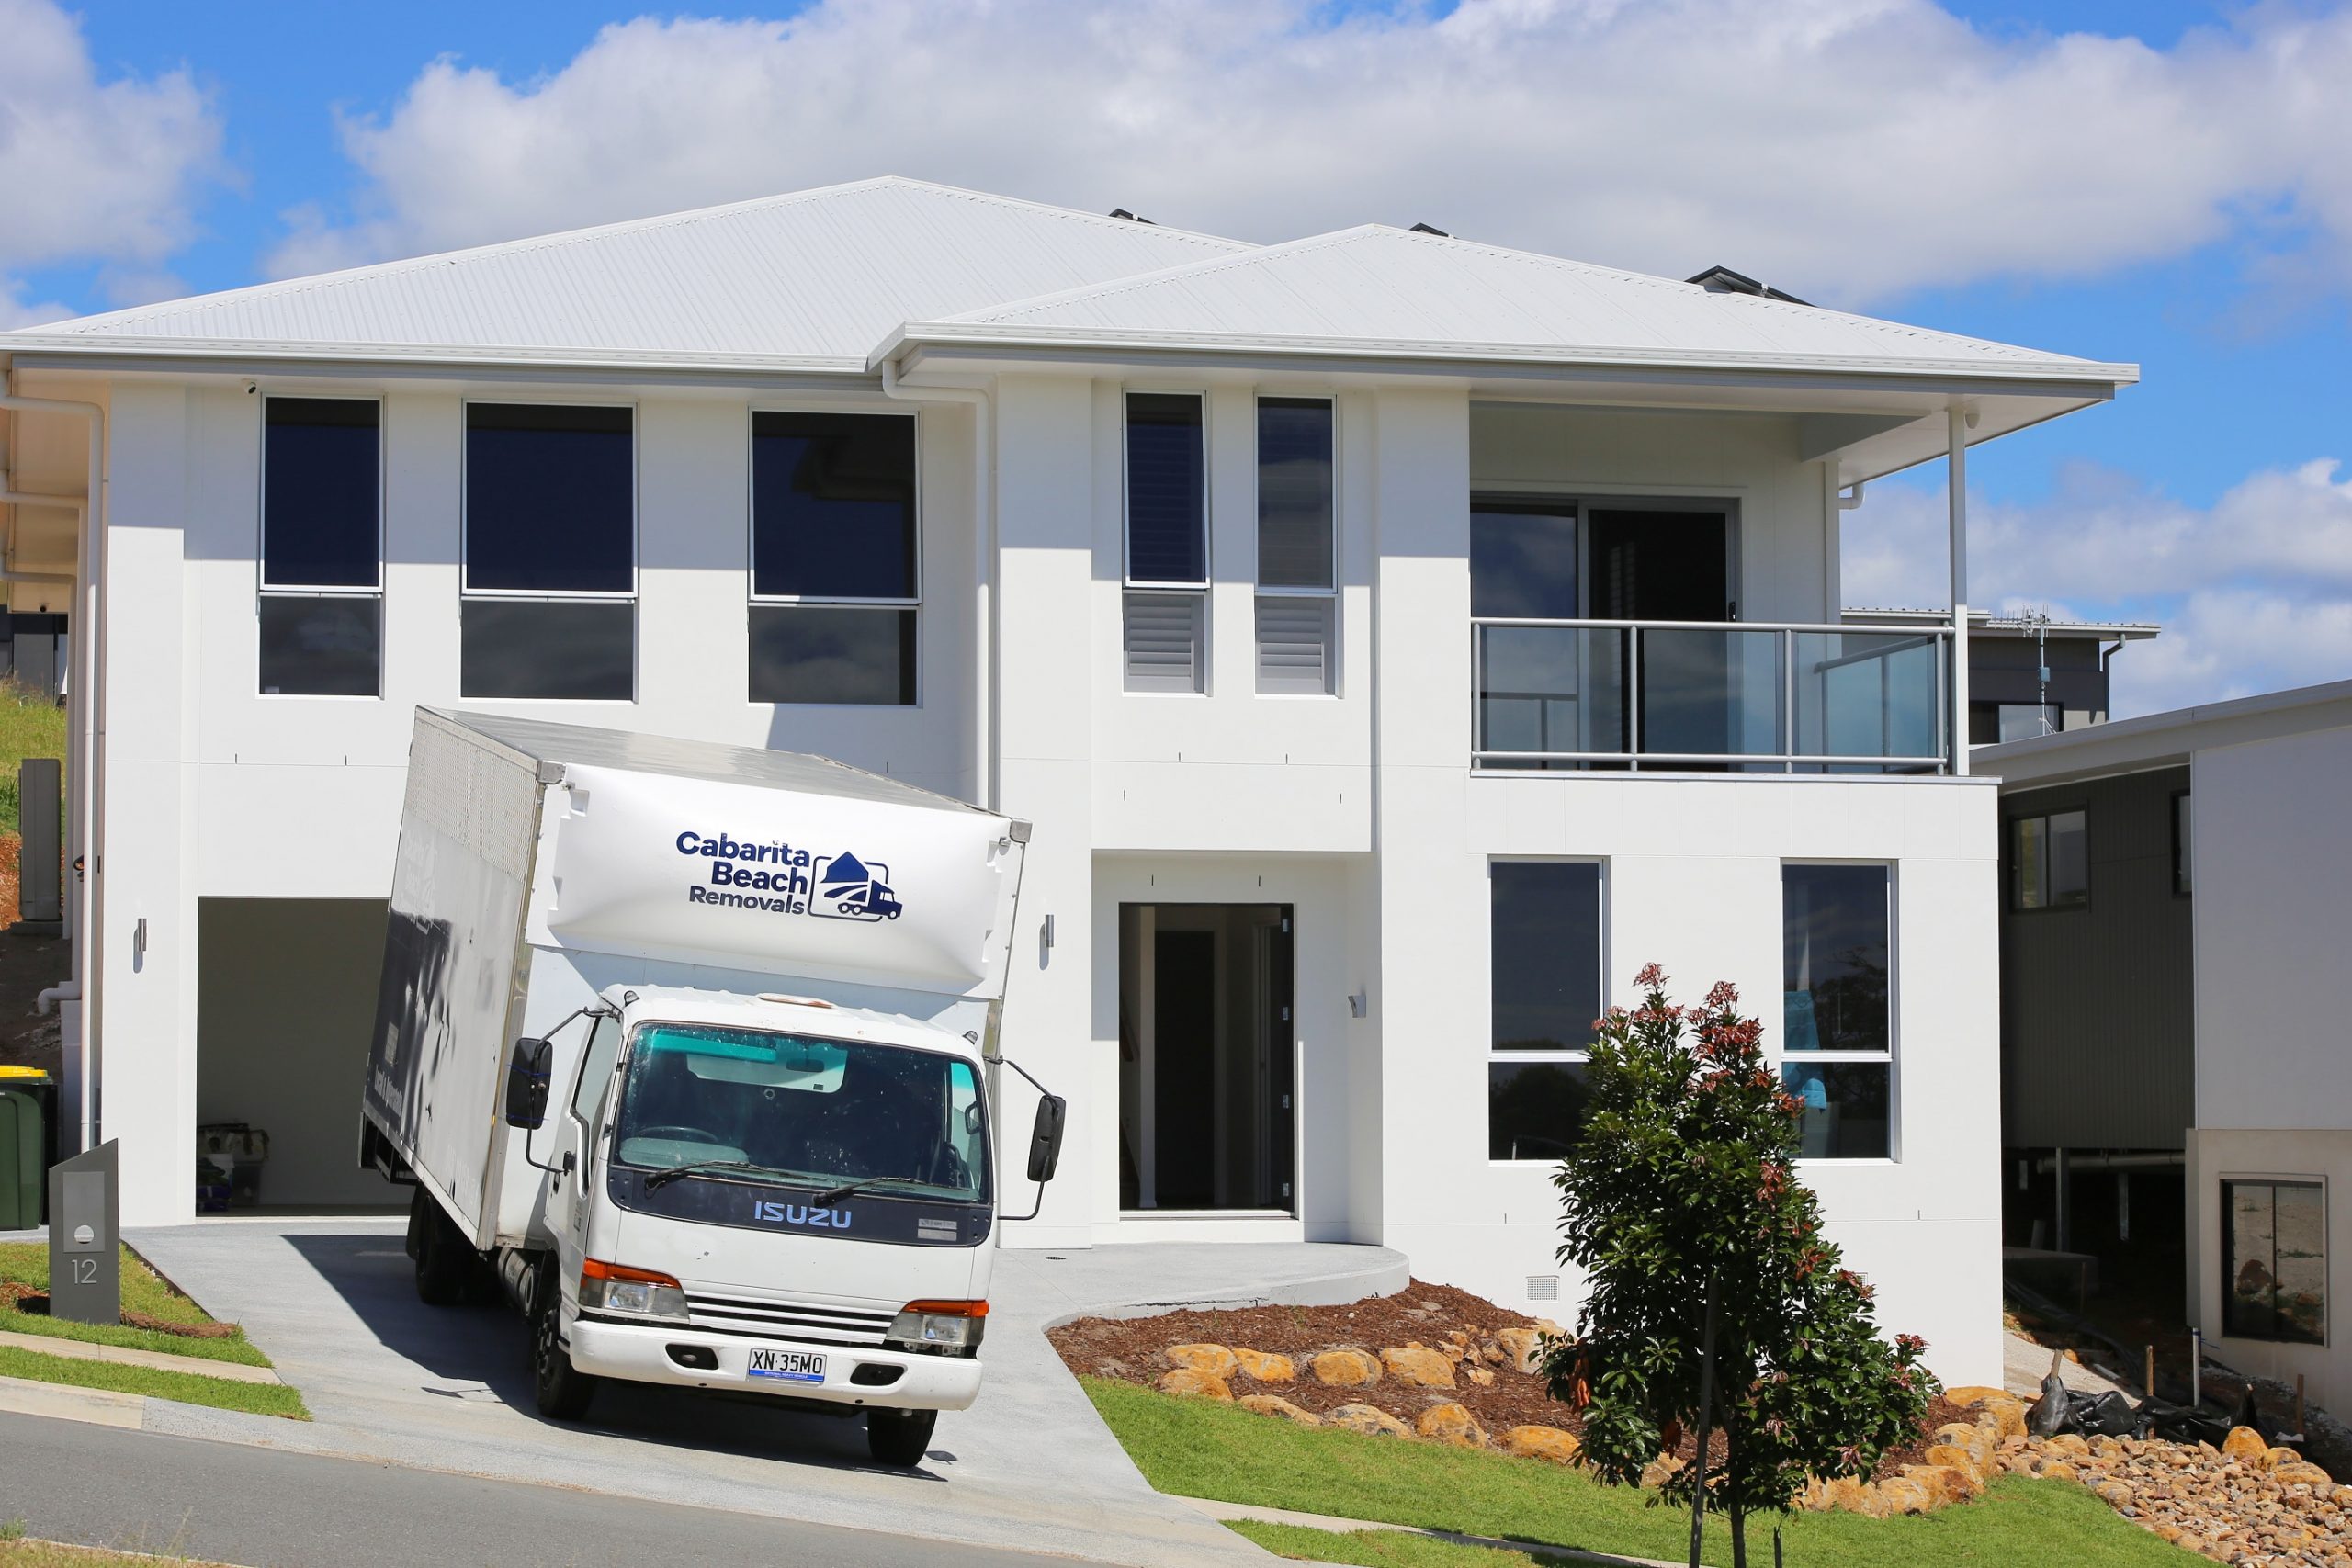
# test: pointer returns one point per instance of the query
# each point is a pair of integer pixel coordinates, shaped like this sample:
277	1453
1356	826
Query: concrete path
1030	1468
2024	1364
127	1355
242	1504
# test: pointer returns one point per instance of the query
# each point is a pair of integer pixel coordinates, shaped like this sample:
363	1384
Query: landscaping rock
1524	1347
1654	1473
1952	1457
1344	1369
2245	1443
1483	1376
1264	1368
1417	1363
1197	1383
1544	1443
1975	1393
1846	1493
1275	1405
1214	1359
1946	1482
1372	1423
1902	1494
1450	1423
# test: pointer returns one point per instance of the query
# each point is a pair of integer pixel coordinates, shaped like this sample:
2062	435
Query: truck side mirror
526	1084
1045	1137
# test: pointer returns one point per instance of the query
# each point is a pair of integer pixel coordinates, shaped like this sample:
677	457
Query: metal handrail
1908	639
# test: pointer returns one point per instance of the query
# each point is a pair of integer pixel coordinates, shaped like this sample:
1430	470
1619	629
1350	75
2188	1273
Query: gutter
984	631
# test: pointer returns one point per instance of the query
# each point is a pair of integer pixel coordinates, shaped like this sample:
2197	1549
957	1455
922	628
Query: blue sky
2122	182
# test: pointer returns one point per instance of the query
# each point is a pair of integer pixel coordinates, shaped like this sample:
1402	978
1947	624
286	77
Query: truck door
583	1113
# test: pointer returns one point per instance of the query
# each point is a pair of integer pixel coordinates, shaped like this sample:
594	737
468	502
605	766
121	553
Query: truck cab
765	1194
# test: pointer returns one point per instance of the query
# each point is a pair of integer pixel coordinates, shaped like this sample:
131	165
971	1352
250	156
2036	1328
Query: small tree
1681	1192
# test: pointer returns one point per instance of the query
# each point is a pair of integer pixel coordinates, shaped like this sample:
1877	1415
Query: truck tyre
445	1259
900	1436
560	1390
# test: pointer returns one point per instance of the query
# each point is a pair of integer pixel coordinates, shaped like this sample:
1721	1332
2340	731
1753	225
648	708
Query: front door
1652	564
1207	1072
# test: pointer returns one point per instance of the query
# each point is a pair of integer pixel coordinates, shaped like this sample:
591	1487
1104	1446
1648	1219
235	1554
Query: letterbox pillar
86	1238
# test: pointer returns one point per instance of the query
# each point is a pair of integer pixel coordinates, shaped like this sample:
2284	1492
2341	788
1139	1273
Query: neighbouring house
1396	641
2173	990
2028	675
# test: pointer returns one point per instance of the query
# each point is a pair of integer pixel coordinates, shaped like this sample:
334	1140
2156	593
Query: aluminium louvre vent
1543	1287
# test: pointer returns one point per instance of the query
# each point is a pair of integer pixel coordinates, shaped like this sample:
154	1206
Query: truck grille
787	1320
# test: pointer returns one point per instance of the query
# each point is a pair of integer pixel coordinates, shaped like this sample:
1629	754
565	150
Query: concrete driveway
1031	1467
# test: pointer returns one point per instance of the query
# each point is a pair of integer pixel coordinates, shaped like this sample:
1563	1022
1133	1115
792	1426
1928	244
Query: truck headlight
939	1329
635	1293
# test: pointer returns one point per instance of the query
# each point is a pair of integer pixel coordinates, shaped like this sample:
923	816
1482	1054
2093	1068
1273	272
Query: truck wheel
900	1436
560	1390
445	1259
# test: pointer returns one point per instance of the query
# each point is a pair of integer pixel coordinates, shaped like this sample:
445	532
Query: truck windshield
822	1112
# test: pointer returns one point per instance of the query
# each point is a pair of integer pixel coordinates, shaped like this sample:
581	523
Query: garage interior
286	998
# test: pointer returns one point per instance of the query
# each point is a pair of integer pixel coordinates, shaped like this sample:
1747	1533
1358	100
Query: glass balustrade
1746	697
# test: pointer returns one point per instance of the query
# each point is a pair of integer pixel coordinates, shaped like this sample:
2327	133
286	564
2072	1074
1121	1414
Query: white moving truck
691	1049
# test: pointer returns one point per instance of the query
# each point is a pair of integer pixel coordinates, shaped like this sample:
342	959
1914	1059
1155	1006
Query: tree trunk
1706	1413
1730	1486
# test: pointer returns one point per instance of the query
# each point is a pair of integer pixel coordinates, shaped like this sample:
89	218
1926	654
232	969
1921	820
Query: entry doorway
1206	1058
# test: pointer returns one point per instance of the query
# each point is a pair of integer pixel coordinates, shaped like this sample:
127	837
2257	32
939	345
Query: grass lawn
144	1290
188	1387
16	1550
31	725
1200	1449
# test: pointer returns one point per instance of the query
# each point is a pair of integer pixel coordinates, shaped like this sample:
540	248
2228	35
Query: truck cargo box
541	863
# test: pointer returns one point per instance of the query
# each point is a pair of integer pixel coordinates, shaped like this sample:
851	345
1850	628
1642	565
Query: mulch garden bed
34	1303
1134	1350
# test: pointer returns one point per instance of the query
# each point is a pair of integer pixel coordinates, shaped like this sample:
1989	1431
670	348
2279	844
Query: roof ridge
651	223
1205	266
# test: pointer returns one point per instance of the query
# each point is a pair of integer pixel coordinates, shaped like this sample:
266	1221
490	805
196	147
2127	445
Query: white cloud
93	171
2254	593
1849	149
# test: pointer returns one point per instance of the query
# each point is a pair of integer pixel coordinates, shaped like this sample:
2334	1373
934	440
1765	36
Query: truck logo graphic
799	1214
851	889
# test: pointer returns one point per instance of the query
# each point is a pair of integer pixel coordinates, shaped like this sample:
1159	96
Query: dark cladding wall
2007	668
2097	1022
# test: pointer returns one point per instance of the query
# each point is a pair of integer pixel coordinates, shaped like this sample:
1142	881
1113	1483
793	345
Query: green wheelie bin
27	1099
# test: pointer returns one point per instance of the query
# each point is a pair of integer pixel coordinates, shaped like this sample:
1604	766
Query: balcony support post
1956	482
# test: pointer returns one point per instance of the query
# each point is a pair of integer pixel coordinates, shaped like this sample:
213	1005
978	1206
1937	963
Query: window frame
540	595
265	589
2226	1252
1574	1056
755	600
2012	895
1891	1058
1260	589
1201	593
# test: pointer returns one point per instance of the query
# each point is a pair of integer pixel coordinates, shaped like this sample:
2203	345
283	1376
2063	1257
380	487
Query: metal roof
1379	292
811	280
2161	740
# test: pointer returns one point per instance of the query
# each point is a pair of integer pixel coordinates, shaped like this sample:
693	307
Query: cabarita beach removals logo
775	877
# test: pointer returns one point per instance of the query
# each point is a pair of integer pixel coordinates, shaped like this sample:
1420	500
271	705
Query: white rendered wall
2215	1156
2273	861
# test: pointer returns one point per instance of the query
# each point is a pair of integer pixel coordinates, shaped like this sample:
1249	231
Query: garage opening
1206	1064
285	999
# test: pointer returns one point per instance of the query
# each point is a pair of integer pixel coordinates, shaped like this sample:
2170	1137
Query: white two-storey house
1396	641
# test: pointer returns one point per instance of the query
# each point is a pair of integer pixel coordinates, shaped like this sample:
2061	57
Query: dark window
321	487
1168	537
1535	1110
1544	934
1833	957
1835	1019
577	649
1523	561
2181	859
2274	1257
1293	492
317	645
2049	867
832	653
1546	953
833	505
1992	723
1846	1108
550	499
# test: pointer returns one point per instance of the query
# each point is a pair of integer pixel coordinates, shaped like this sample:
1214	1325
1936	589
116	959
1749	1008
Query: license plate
789	1366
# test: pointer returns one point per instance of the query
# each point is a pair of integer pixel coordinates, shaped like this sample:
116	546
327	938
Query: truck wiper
662	1178
850	1189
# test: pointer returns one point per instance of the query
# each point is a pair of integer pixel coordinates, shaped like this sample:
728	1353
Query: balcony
1702	696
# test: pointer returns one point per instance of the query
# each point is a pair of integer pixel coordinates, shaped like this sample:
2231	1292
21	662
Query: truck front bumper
854	1374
